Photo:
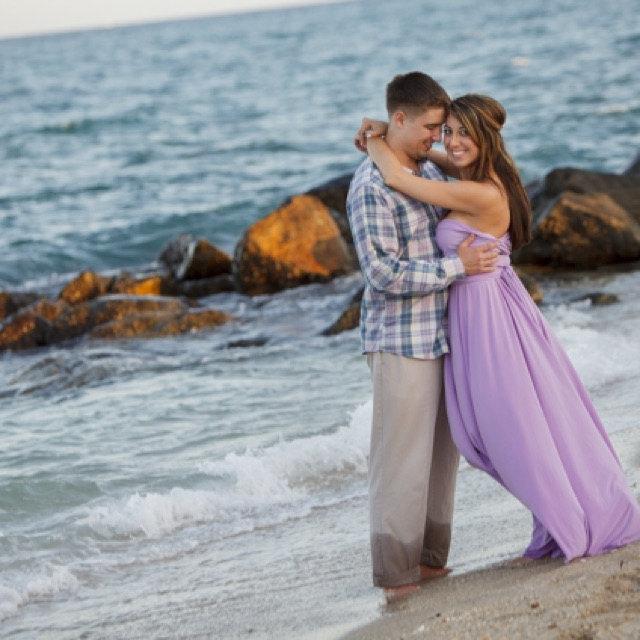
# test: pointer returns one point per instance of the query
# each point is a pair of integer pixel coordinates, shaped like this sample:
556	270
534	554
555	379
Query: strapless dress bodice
450	233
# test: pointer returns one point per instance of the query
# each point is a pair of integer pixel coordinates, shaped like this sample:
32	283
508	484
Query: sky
28	17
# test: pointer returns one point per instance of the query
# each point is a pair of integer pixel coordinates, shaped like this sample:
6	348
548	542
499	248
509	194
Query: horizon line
277	6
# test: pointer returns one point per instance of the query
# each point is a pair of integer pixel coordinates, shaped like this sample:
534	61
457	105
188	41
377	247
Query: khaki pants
412	469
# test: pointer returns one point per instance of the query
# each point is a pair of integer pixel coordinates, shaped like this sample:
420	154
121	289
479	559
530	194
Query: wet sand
589	599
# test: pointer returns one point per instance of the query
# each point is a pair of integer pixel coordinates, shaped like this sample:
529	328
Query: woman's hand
369	129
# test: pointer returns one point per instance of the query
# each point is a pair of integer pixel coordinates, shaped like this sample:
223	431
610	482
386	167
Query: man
413	461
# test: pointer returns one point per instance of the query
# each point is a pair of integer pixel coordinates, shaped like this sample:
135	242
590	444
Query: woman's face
461	149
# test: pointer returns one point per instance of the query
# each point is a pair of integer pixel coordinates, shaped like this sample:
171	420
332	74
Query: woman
516	406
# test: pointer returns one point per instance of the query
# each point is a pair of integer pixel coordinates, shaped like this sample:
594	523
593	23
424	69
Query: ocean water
182	488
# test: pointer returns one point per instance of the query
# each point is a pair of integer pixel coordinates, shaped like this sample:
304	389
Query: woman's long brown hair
483	118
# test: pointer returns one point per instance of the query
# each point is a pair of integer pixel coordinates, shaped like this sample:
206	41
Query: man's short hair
415	91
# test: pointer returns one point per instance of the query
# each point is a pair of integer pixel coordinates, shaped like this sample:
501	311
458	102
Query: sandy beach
588	599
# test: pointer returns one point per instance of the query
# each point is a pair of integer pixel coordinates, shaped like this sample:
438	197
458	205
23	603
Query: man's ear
399	118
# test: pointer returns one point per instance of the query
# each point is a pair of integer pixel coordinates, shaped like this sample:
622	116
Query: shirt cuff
453	267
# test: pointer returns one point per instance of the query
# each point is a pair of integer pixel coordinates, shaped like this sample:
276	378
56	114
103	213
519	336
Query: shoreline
597	597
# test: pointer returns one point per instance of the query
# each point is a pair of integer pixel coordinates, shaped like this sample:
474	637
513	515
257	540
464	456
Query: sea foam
264	487
599	357
286	469
52	581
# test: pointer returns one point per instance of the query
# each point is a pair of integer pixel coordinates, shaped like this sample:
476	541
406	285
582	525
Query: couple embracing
461	358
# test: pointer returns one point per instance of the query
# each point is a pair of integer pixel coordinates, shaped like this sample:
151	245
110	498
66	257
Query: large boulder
189	258
584	231
623	189
333	193
297	244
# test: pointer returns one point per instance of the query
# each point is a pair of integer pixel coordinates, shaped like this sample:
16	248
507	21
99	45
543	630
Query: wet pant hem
407	577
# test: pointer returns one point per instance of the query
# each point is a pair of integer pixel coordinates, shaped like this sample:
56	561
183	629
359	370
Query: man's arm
376	240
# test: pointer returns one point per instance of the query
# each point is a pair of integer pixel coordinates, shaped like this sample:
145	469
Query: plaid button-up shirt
406	276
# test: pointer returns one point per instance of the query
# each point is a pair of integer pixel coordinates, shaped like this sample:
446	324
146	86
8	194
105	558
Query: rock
598	298
152	325
624	190
117	307
634	168
535	191
206	286
49	322
247	342
66	321
131	326
531	285
12	302
86	286
188	258
155	285
25	331
195	321
45	322
584	231
349	318
89	285
333	194
296	244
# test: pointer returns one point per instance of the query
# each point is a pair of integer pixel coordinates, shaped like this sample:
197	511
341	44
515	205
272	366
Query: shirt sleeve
375	238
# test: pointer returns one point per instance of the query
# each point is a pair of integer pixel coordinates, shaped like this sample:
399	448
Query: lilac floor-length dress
518	411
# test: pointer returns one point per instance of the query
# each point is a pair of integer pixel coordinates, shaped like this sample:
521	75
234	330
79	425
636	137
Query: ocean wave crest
302	464
266	487
52	581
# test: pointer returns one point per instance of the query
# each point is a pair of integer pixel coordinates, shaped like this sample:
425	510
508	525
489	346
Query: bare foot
429	573
393	594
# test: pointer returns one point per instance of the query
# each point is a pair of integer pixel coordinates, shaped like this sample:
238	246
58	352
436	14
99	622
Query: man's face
420	130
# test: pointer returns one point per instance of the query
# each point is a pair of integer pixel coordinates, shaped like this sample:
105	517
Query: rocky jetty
582	220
